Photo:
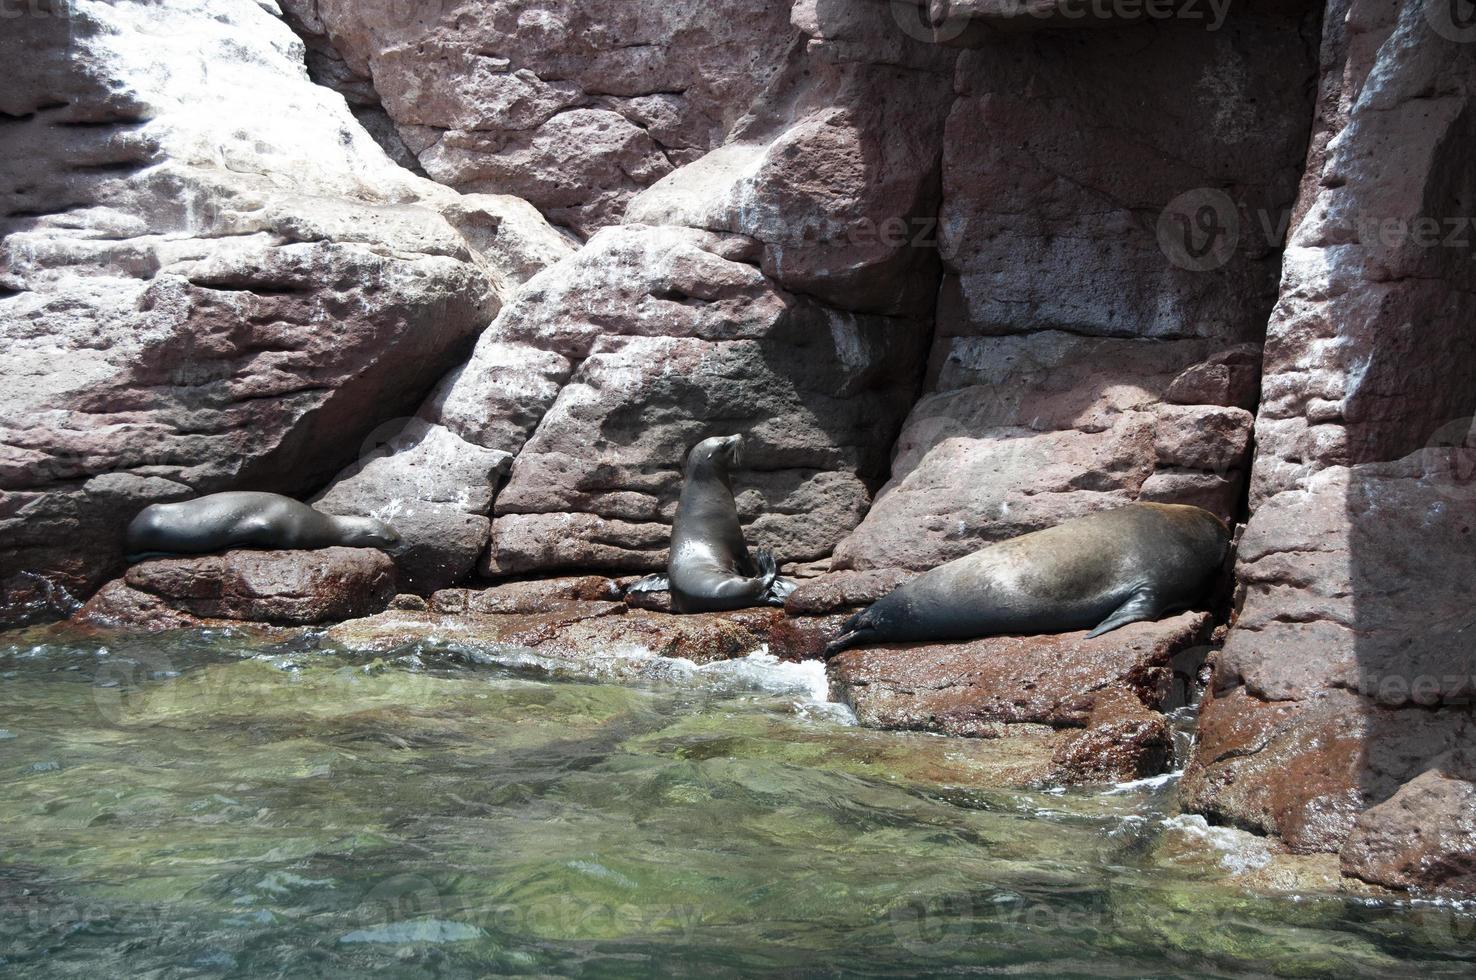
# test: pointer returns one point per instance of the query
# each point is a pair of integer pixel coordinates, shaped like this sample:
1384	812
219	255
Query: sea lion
1096	572
710	568
247	519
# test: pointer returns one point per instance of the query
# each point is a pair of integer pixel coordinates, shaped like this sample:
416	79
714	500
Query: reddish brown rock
970	688
1422	839
1231	378
526	597
1331	683
1024	432
117	606
1123	740
1366	358
833	173
277	587
551	618
844	590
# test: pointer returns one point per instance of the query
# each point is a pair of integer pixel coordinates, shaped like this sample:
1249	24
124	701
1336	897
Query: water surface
224	804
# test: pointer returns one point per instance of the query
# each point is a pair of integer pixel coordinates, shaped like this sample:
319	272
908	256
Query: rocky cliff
957	270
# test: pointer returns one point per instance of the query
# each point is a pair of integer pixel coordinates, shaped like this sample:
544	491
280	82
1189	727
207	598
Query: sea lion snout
719	450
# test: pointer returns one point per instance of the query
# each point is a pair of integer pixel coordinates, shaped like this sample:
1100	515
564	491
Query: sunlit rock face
1343	695
210	277
780	286
574	105
619	359
1110	234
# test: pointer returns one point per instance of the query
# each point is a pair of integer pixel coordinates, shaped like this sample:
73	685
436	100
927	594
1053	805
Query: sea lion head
366	532
717	454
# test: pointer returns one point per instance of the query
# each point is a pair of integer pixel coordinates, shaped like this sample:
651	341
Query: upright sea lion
710	568
247	519
1100	571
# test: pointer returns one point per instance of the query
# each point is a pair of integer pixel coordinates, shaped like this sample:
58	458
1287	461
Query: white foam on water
1239	851
1149	782
763	673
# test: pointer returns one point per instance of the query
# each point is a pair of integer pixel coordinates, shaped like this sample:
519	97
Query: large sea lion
709	568
247	519
1096	572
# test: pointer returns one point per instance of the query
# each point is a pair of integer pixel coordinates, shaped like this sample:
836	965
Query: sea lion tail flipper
651	583
779	590
1140	606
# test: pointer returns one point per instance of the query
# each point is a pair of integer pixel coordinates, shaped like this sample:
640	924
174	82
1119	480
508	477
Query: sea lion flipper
651	583
1140	605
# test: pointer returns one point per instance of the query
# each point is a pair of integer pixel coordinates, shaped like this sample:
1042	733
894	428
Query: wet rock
410	602
525	597
1422	839
1328	692
553	619
971	688
118	606
1124	740
277	587
844	590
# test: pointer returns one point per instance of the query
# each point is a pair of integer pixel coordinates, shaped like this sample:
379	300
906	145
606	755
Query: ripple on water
249	805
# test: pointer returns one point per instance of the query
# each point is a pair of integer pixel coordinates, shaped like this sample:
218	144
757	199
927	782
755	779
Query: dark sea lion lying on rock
247	519
710	569
1096	572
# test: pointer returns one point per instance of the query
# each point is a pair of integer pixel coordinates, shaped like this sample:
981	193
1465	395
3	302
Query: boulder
593	632
834	171
657	338
1124	740
526	597
282	588
435	489
1329	692
972	688
206	284
1422	839
1024	432
573	106
844	590
117	605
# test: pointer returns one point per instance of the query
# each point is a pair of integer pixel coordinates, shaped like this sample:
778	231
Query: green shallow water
217	804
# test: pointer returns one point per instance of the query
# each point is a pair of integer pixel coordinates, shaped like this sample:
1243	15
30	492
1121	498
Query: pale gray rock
210	275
